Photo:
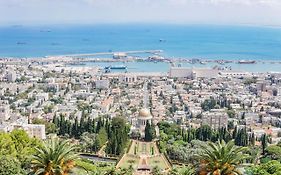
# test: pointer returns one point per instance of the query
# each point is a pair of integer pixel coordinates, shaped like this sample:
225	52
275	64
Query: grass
132	158
157	161
138	148
128	160
84	167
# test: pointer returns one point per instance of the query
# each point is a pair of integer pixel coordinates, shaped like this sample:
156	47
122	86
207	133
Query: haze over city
249	12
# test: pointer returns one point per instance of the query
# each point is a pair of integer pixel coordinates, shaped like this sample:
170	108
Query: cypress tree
264	141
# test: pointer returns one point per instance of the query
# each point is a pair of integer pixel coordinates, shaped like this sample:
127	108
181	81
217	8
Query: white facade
143	118
11	76
4	112
215	119
37	131
185	72
128	78
205	73
102	84
181	72
119	55
234	74
42	96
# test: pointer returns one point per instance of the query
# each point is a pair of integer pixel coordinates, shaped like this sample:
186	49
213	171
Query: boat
21	43
47	31
116	67
246	62
55	44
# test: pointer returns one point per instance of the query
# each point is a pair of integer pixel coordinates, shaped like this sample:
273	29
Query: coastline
150	64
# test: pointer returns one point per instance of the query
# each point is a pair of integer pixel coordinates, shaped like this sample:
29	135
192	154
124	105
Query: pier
110	53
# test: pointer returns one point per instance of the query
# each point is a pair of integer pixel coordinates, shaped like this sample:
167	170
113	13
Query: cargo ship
246	62
116	67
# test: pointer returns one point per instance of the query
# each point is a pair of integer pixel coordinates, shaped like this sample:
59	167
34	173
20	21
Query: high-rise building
215	119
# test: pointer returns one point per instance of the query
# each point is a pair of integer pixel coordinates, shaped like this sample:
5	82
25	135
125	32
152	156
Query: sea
176	41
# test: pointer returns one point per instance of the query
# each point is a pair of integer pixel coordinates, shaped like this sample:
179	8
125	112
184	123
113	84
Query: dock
109	53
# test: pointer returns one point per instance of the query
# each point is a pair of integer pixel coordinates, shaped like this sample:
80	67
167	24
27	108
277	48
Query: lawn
145	148
157	161
128	160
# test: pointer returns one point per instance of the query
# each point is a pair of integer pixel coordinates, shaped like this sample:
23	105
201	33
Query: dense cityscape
140	87
86	120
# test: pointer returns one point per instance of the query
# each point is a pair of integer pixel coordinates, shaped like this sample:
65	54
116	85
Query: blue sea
184	41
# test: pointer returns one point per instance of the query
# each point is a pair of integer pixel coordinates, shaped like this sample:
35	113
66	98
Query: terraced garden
145	152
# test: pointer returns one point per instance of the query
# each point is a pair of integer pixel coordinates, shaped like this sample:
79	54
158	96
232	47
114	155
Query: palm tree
220	158
111	171
187	170
55	157
184	170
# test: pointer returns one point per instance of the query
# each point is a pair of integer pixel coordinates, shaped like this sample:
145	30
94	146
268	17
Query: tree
204	133
50	127
7	146
264	141
102	136
271	167
231	113
118	136
89	142
149	132
10	166
24	145
75	128
185	170
208	104
274	152
241	137
16	147
55	157
220	158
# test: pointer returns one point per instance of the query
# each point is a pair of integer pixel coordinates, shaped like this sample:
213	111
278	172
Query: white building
42	96
33	130
4	112
11	76
215	119
128	78
234	74
180	117
102	84
181	72
205	73
37	131
143	118
191	73
119	55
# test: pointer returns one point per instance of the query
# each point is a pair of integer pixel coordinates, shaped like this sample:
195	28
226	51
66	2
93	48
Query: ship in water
247	62
21	43
116	67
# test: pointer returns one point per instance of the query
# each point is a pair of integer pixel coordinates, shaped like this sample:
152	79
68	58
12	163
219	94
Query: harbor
146	61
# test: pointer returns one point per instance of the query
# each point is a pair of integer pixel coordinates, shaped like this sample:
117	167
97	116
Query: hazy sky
259	12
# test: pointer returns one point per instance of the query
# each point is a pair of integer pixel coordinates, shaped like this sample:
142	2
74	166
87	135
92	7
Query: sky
250	12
